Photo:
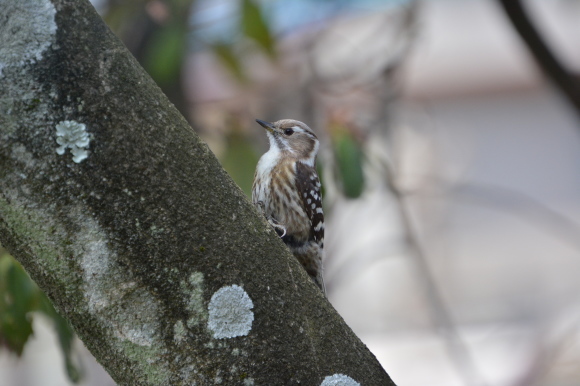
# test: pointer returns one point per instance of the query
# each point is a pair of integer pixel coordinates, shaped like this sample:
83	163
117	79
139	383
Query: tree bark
127	221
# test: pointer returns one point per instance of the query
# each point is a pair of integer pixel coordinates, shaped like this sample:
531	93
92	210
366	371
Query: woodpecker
286	190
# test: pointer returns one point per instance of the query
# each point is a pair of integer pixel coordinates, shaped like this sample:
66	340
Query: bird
287	191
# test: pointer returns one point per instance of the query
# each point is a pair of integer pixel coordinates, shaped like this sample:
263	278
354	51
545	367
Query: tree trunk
129	224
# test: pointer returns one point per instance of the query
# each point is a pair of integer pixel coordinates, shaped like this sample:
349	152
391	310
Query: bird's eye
288	132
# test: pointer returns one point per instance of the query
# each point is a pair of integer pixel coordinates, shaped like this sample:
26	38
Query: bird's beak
266	125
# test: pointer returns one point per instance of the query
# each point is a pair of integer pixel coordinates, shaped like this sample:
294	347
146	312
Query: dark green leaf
65	338
164	55
17	301
225	53
255	27
349	163
19	298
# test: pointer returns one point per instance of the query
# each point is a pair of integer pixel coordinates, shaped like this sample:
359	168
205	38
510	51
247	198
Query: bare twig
456	347
543	55
522	205
550	345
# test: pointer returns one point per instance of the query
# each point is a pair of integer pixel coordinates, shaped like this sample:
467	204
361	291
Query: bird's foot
279	228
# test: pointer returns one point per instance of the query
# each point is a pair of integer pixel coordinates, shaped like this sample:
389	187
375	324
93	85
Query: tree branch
545	58
129	224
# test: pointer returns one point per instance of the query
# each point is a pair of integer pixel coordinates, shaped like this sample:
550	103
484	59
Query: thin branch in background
562	77
456	347
560	226
522	205
549	346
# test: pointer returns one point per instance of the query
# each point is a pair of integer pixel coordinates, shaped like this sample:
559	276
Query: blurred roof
469	47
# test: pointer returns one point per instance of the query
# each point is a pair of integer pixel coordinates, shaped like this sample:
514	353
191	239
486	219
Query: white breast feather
265	165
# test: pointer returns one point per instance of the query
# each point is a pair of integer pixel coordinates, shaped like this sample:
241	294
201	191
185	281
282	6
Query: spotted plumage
287	191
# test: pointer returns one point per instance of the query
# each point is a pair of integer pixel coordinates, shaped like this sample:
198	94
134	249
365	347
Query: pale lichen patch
107	294
179	332
107	289
339	380
73	135
188	371
112	297
27	33
230	312
192	289
25	157
155	375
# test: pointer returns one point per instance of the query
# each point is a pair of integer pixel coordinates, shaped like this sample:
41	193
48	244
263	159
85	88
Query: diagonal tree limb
127	221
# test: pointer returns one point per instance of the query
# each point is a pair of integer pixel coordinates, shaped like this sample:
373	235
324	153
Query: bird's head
293	138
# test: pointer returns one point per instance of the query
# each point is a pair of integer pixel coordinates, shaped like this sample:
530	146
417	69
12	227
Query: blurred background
450	164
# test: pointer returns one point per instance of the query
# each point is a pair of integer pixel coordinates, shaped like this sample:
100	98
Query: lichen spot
27	29
230	312
179	332
339	380
73	135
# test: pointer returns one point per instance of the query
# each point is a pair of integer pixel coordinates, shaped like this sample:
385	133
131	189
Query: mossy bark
131	243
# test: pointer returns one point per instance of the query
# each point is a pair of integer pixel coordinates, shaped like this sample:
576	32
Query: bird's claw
271	220
277	227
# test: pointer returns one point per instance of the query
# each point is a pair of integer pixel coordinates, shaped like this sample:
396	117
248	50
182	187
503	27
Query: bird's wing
309	188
